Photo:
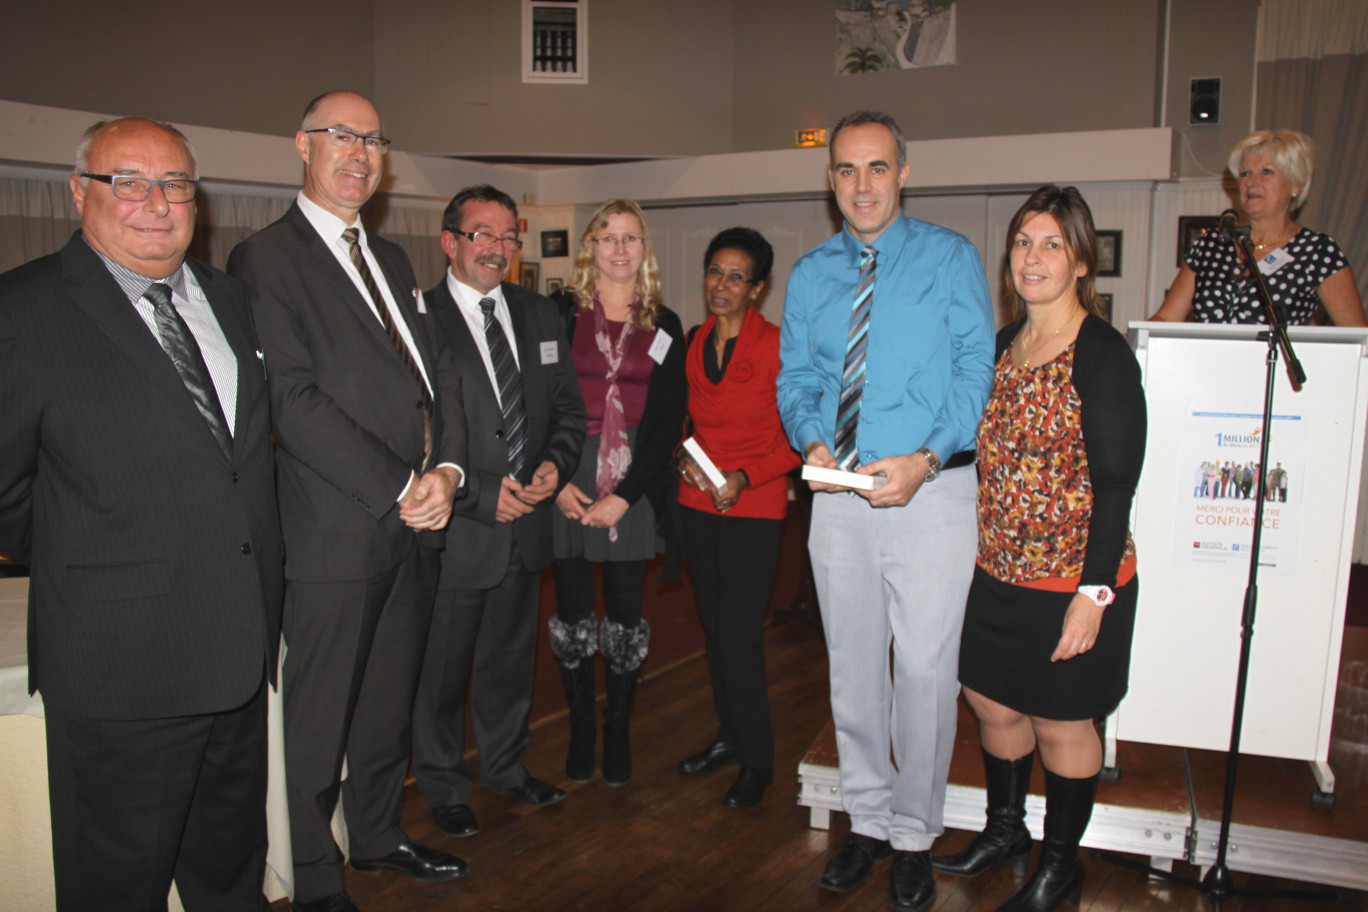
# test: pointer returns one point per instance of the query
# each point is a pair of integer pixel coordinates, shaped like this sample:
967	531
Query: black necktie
351	235
510	390
185	354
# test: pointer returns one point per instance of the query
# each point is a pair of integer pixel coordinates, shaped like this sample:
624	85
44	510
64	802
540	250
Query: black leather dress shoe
749	787
537	793
853	865
911	885
417	861
714	756
456	820
337	902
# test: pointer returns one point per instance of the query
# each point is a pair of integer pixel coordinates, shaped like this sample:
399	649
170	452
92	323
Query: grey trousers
899	575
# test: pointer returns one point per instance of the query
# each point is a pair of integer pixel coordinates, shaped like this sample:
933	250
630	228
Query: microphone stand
1218	885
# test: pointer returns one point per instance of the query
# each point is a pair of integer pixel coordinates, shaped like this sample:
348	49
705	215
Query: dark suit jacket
345	410
556	425
156	559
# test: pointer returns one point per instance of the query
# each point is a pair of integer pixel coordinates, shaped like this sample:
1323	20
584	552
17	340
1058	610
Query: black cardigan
1113	419
662	422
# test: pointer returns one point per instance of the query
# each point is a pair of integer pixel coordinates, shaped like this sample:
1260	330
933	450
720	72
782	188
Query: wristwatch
1102	596
933	462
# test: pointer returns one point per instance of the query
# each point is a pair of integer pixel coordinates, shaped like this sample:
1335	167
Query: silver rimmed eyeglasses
136	189
344	139
485	239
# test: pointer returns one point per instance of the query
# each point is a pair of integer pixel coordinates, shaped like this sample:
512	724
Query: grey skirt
636	530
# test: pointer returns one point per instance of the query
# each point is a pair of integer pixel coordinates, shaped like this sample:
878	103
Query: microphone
1228	220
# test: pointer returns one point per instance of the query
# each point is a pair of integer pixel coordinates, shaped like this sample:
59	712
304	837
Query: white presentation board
1204	386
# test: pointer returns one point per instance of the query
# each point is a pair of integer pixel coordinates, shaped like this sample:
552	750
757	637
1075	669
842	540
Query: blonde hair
586	275
1293	154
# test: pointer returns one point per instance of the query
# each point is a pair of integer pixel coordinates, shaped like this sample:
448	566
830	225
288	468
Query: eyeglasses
345	139
136	189
485	239
734	279
612	240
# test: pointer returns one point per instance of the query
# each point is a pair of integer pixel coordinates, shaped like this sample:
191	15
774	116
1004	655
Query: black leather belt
959	460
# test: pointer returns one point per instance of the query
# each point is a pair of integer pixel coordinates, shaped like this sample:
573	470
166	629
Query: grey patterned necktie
510	390
352	237
185	354
852	378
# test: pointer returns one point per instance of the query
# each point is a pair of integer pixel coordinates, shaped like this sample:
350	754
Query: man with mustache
371	438
527	425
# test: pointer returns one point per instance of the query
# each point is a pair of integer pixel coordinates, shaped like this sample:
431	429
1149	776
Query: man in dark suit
527	425
136	480
371	439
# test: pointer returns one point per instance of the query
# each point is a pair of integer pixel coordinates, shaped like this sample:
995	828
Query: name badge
550	354
420	301
1274	261
660	346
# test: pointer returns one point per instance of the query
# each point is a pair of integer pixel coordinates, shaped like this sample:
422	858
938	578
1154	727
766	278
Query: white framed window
555	41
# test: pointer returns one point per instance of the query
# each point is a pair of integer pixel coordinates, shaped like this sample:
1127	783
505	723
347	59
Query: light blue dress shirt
929	365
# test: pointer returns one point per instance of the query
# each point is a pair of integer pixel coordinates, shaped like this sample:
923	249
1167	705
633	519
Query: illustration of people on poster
1215	515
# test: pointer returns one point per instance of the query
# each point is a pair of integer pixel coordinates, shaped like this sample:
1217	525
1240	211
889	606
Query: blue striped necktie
510	390
852	378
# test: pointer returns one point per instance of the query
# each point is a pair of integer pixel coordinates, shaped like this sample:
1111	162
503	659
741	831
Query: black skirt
1011	631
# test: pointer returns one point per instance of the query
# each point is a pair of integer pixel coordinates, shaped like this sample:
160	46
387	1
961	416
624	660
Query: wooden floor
665	843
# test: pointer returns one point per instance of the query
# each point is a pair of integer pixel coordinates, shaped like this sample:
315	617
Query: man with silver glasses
136	481
370	438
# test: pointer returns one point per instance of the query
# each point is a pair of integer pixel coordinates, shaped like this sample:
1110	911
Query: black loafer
456	820
853	865
337	902
749	787
911	885
537	793
713	757
417	861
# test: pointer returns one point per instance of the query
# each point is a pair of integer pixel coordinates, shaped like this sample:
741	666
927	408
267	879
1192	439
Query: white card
550	354
844	479
421	301
1274	261
660	346
706	464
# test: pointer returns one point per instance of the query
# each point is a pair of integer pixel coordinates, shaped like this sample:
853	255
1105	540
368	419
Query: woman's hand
690	472
736	482
605	513
571	501
1081	623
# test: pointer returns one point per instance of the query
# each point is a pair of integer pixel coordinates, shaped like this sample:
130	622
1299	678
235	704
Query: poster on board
1217	496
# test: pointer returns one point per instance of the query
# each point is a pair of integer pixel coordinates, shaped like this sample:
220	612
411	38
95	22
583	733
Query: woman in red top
732	535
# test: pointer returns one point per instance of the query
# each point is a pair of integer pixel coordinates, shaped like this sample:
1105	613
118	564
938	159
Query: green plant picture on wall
875	35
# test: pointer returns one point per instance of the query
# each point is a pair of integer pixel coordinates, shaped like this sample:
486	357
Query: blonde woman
628	349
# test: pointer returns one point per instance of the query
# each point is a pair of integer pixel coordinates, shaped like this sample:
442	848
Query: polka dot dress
1224	293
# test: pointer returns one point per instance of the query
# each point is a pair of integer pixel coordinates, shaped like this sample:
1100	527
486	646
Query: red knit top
737	421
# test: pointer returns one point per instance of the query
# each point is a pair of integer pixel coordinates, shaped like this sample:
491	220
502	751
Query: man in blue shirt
888	328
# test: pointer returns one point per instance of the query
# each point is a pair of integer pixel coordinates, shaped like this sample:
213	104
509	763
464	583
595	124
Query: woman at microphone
1303	268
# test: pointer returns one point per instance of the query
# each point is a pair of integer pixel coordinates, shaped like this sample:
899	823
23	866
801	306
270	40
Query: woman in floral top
1046	644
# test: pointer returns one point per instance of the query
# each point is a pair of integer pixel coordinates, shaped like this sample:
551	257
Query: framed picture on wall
1108	254
554	285
1190	228
529	275
1106	301
555	243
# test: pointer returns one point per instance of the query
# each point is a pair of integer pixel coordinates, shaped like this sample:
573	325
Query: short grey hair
1293	154
95	129
860	118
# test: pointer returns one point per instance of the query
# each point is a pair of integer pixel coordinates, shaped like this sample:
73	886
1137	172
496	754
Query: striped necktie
510	390
852	378
352	237
185	354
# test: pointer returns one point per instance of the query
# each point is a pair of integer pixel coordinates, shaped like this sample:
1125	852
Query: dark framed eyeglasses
136	189
344	139
485	239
